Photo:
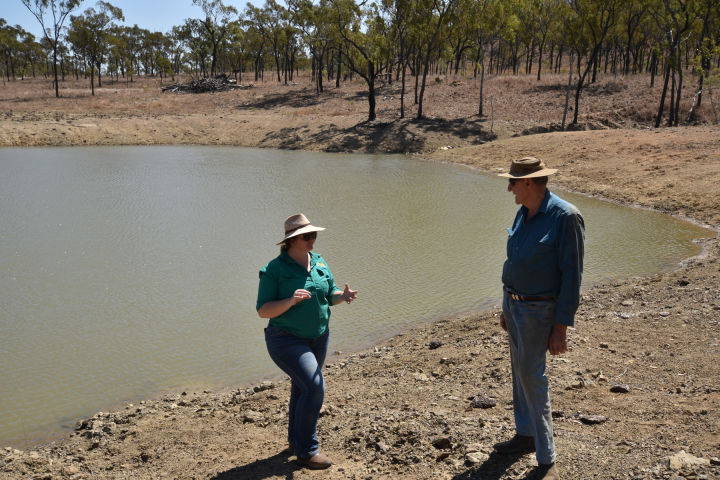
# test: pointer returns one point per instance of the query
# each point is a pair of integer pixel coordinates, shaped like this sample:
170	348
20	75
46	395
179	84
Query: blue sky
154	15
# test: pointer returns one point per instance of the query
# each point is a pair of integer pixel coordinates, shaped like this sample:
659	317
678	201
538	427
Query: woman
295	292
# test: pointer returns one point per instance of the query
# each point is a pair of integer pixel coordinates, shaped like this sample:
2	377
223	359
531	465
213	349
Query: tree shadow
492	469
274	466
299	98
459	127
399	136
294	99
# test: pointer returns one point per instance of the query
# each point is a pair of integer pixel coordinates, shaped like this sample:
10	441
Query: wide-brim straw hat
528	167
297	225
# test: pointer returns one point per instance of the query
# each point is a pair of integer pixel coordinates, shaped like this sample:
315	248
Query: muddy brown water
130	271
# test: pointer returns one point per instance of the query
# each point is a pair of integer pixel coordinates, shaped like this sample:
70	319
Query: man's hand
558	339
502	321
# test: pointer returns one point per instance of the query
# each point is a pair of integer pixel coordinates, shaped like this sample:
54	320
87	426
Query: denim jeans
302	359
529	325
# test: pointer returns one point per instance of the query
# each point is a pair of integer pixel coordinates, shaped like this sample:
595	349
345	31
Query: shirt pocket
544	250
322	282
287	284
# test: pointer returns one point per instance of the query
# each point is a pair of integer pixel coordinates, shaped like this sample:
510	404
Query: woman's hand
300	295
275	308
349	295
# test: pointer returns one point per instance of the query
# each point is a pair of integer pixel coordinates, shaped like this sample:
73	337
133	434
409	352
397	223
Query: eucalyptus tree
255	45
399	13
633	15
236	50
134	47
708	44
431	19
678	19
89	34
547	14
10	46
271	21
59	10
460	32
489	18
31	52
197	45
365	34
175	50
314	22
587	30
215	24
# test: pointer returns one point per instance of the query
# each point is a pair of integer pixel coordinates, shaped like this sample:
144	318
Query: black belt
528	298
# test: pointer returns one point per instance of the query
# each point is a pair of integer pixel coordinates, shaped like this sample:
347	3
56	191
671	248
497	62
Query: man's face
520	188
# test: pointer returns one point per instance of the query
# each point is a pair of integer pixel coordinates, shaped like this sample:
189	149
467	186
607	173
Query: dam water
130	271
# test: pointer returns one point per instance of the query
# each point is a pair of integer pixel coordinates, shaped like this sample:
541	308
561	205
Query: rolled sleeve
267	288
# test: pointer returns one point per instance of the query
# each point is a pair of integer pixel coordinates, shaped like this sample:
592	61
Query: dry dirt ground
637	396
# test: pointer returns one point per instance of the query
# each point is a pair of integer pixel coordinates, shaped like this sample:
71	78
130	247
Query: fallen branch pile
218	84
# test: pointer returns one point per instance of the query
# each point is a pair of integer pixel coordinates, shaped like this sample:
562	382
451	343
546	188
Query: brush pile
220	83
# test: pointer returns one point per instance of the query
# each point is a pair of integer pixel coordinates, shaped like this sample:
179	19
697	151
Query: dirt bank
402	409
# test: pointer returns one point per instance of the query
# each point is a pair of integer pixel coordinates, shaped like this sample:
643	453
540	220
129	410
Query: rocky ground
637	396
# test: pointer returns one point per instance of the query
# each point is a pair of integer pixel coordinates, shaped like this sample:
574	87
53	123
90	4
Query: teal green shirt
281	277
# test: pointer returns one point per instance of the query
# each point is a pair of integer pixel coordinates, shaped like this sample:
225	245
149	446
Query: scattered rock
474	458
442	443
620	388
252	416
481	401
593	419
263	386
435	344
683	459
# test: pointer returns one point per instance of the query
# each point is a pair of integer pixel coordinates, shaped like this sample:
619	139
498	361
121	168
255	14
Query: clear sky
154	15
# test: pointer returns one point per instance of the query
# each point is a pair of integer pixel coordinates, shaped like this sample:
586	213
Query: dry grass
521	99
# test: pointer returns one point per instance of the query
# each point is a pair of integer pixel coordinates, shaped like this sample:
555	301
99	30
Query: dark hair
285	245
540	180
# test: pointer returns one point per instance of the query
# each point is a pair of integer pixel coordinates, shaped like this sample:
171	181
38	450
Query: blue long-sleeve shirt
545	255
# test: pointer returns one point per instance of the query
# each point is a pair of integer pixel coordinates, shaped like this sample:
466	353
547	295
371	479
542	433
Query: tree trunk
371	91
339	68
55	72
540	54
567	92
671	117
482	81
658	119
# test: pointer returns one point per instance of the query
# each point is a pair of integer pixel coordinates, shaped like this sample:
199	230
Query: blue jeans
302	359
529	325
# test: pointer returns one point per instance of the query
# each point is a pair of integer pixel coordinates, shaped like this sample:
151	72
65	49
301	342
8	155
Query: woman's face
305	241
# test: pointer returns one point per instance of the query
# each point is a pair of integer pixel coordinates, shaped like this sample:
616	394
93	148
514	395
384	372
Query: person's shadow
278	464
491	469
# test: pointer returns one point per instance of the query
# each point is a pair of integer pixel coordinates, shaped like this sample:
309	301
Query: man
541	280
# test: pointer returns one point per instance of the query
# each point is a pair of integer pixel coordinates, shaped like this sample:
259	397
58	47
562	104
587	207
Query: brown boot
316	462
547	472
517	444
